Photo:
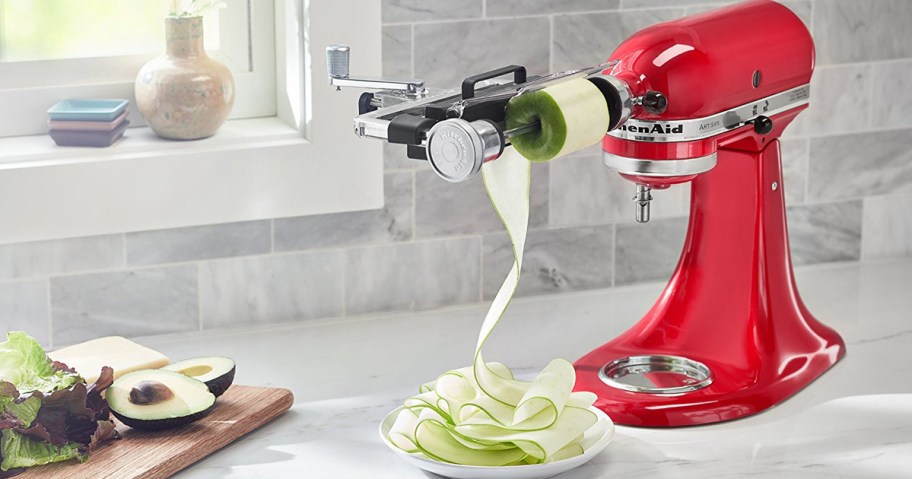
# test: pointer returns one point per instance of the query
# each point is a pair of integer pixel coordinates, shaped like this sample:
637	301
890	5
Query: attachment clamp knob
762	125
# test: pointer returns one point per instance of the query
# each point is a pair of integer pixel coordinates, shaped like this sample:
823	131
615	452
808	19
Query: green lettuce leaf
25	411
20	451
47	411
24	363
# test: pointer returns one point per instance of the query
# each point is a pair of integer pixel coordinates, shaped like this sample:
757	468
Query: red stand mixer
703	100
729	336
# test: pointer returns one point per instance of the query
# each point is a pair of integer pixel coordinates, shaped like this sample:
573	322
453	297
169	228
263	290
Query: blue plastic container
88	110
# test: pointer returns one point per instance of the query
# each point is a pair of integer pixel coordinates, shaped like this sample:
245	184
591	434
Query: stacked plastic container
97	123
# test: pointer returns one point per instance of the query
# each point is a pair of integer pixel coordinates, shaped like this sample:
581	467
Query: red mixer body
732	303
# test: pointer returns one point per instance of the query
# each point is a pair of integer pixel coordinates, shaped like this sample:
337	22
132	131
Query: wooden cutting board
157	455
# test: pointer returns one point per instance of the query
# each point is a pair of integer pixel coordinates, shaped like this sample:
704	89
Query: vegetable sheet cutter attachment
457	130
707	108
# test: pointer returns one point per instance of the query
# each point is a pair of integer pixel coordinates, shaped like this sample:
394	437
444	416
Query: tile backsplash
847	169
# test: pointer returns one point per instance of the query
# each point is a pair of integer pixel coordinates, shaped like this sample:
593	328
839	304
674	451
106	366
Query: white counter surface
346	374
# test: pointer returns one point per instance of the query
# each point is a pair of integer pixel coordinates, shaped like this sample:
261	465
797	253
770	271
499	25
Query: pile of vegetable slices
47	411
456	420
481	415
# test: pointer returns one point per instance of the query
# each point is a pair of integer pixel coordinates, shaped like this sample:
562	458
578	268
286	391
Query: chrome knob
337	60
456	148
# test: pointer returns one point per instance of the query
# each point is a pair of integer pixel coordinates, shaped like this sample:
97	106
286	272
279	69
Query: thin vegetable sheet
481	415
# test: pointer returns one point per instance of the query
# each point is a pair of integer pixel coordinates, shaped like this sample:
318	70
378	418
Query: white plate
531	471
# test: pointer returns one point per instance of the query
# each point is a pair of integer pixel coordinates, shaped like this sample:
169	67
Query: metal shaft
643	198
520	130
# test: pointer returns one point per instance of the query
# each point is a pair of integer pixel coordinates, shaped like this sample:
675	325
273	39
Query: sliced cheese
119	353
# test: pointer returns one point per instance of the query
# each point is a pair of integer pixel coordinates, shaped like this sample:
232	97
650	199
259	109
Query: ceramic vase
184	94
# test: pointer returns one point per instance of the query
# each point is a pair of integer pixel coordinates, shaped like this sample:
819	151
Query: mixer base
731	306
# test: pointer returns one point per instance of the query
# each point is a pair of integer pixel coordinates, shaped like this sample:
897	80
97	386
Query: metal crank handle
337	69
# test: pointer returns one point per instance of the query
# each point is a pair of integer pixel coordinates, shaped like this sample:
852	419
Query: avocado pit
153	399
150	392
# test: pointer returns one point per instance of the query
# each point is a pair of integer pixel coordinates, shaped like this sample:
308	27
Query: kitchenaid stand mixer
703	100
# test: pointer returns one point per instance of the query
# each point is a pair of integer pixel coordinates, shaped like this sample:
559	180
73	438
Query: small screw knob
763	125
337	58
655	102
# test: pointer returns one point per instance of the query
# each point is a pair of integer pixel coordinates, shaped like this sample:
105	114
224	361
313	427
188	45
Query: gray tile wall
847	167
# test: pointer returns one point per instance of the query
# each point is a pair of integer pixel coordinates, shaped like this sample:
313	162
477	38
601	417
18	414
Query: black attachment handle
408	129
468	85
416	152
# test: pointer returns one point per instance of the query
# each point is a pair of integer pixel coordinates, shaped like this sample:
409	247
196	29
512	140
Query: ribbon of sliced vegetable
481	415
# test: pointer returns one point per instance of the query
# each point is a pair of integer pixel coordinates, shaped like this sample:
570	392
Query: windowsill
253	169
37	151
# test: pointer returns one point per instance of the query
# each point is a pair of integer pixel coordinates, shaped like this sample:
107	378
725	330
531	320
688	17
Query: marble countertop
346	374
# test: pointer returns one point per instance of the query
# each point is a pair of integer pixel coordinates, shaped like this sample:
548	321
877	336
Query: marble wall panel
584	191
828	232
648	252
270	289
24	307
892	107
555	260
445	53
443	209
417	275
794	169
840	101
588	39
397	51
43	258
860	164
392	222
887	226
852	31
399	11
138	302
199	242
516	8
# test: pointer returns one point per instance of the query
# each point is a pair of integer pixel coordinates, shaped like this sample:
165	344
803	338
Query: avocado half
216	371
153	399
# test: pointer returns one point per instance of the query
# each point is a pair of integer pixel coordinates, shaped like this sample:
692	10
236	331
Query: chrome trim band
696	374
660	168
700	128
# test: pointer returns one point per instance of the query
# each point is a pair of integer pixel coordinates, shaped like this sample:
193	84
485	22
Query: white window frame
303	160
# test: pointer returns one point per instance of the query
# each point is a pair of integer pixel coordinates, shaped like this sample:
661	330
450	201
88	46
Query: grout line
484	8
50	315
123	243
861	244
614	255
199	297
414	206
684	10
551	43
813	14
807	171
481	269
873	69
344	278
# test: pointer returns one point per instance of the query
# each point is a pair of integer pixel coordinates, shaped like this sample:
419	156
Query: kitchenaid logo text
655	129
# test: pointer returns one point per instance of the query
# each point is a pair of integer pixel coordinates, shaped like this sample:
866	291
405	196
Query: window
56	49
289	151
